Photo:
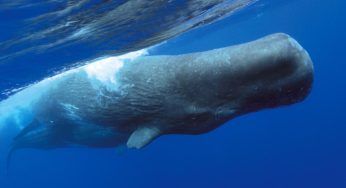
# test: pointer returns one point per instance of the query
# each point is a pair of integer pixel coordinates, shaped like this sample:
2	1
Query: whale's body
157	95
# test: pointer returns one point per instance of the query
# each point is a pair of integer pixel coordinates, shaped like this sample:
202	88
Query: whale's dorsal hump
142	136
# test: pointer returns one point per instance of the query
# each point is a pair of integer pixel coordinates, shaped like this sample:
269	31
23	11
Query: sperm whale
151	96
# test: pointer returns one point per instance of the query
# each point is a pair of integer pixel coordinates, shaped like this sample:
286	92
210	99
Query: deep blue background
297	146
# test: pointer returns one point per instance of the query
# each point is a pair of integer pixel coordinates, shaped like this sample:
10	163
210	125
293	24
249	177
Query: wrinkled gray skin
186	94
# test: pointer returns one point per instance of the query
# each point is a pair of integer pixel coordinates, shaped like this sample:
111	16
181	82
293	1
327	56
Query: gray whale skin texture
158	95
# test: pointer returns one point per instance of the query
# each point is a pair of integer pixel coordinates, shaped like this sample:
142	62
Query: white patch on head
103	72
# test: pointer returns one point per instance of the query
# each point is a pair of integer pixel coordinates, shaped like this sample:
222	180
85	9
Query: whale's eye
195	113
200	117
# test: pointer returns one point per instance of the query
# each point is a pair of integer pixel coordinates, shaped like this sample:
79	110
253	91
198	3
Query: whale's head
267	73
274	71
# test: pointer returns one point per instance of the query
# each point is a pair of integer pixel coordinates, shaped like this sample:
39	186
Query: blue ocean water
296	146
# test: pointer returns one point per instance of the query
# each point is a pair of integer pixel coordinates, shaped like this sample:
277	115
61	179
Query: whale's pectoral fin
142	137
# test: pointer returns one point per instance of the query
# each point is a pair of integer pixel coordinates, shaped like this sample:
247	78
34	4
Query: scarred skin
185	94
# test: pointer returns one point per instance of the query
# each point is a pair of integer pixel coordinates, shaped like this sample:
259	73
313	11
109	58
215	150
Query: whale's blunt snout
280	72
297	85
